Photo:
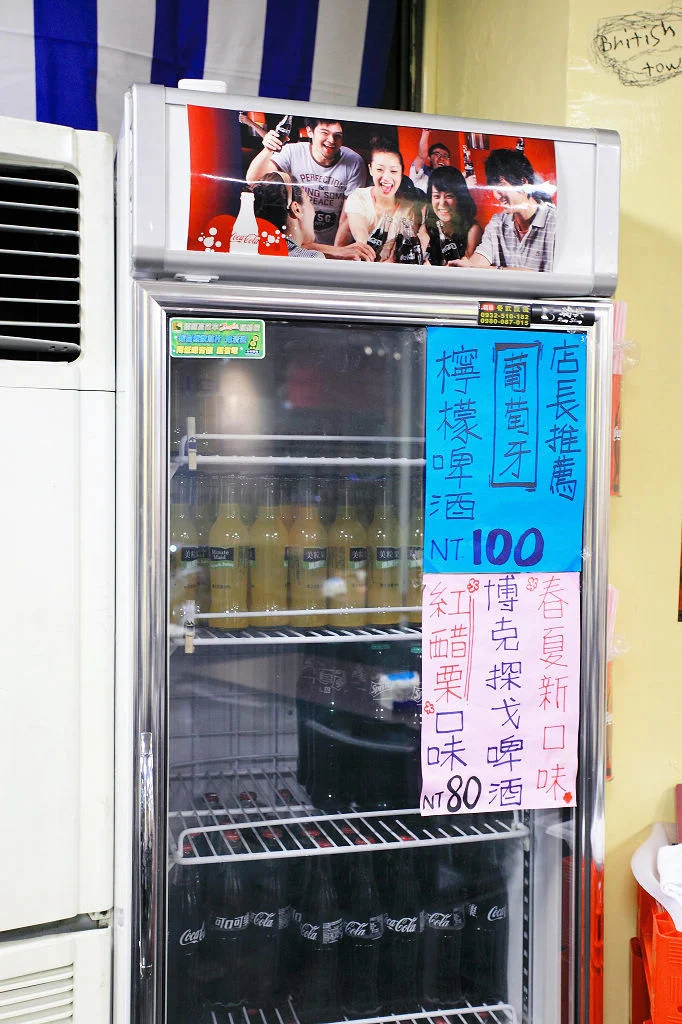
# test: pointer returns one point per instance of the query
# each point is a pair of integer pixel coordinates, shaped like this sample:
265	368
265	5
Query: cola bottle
186	934
283	128
363	928
329	748
320	929
402	930
227	931
486	930
269	921
305	714
443	928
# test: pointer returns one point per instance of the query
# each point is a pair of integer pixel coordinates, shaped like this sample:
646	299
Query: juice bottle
383	559
247	499
229	553
183	544
415	552
287	508
347	583
204	516
268	563
307	558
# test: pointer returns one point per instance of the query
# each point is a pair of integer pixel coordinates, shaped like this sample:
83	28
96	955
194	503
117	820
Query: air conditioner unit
57	528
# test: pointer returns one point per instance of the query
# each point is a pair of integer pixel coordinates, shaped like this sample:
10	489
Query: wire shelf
303	635
244	814
497	1013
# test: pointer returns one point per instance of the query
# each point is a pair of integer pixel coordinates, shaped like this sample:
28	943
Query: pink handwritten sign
500	689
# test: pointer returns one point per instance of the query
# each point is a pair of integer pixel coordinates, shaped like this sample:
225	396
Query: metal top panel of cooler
183	162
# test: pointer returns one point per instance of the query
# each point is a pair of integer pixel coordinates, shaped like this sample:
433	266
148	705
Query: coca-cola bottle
328	749
443	928
363	928
486	930
269	921
283	128
321	927
186	934
227	931
402	930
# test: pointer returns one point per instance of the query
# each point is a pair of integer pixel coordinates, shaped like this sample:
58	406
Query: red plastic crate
661	947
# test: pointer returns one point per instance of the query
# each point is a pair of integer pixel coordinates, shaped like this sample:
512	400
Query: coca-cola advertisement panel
306	187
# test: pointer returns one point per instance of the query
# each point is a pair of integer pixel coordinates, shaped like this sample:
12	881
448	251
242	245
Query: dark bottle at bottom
486	931
269	922
363	928
320	930
403	920
443	929
186	934
227	935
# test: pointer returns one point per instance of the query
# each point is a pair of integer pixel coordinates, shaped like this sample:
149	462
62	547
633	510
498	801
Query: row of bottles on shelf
358	721
303	544
352	935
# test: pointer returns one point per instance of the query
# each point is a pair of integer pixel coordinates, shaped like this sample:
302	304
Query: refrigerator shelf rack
192	636
496	1013
242	815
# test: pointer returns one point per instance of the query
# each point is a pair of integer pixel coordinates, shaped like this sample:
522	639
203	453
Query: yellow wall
532	61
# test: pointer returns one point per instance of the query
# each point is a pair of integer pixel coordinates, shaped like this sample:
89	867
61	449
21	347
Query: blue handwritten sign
505	450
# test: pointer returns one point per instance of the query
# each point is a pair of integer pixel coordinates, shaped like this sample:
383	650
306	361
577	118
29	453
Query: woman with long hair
450	229
381	215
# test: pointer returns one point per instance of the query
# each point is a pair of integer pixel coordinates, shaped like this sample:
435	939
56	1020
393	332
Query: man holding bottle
327	170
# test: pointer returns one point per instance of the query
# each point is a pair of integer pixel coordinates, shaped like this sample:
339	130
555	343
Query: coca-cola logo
190	938
264	919
402	924
232	924
497	913
245	239
310	931
357	927
454	920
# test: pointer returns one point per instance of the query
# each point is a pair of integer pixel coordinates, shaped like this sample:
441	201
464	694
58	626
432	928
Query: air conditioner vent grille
39	263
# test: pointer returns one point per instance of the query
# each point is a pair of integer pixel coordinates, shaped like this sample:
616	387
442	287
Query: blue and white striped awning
71	61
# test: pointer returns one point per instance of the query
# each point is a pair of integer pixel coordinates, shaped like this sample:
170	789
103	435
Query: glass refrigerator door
303	885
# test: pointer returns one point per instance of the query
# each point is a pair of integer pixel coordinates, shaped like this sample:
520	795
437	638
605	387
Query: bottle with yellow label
268	561
383	559
308	544
183	549
204	516
347	583
229	544
415	552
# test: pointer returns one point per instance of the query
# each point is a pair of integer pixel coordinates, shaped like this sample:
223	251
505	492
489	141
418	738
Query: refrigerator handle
147	854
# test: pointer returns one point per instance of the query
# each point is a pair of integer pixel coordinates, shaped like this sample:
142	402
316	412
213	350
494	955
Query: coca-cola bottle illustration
486	930
244	237
227	931
402	931
320	929
186	934
443	929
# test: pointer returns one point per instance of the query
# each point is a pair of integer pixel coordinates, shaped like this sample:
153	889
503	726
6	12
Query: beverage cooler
283	855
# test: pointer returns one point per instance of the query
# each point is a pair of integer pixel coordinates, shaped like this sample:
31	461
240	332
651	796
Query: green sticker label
226	339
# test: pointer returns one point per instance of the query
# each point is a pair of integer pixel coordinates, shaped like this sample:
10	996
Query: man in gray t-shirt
522	237
328	171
